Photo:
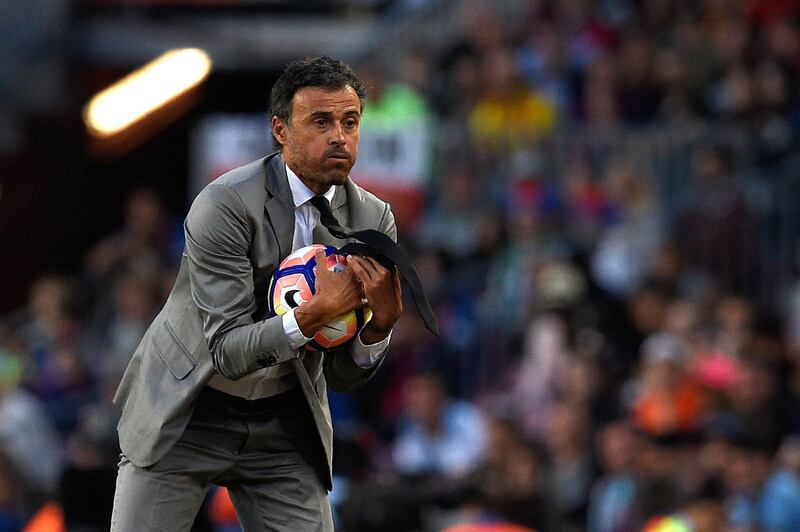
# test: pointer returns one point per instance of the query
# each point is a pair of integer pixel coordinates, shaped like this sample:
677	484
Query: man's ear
279	128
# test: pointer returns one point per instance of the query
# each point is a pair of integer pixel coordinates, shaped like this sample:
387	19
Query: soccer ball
293	284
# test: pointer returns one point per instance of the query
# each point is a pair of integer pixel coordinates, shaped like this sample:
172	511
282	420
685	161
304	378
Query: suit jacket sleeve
341	371
218	236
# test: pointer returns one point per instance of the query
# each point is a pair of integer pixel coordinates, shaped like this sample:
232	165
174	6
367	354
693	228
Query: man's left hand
383	296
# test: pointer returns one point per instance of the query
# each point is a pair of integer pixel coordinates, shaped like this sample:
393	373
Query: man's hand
336	293
382	291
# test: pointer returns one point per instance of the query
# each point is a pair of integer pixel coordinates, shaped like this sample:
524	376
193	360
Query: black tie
388	252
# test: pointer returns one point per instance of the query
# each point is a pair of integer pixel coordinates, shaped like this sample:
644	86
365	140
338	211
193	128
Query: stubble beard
321	180
317	177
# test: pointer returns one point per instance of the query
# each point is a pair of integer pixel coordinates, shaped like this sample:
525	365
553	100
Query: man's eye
321	122
350	123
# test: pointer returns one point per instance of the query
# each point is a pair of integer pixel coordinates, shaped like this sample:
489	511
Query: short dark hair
322	71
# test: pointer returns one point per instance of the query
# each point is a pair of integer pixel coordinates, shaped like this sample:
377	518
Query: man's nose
337	135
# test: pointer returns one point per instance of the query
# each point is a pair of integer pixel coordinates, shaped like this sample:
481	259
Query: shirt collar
301	193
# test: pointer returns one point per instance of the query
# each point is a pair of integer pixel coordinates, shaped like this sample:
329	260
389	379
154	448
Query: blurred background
601	197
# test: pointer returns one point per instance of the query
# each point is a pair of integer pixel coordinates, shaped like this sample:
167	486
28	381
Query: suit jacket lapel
279	207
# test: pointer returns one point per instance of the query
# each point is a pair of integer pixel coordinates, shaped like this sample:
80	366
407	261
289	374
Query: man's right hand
336	293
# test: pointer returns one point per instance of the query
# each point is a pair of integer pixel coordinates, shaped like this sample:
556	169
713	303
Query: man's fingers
322	260
381	270
362	275
361	268
376	266
377	271
372	264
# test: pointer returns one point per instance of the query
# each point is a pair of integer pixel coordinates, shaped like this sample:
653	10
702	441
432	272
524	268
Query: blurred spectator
776	121
665	400
755	398
599	106
454	225
587	204
534	387
49	322
507	487
395	132
144	246
54	337
508	114
571	468
629	244
780	499
746	472
134	304
464	78
647	308
782	41
715	231
29	441
611	506
88	480
543	63
640	95
659	490
679	104
734	320
12	503
437	435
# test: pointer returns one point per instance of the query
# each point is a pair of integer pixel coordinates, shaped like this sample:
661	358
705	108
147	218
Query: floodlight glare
145	90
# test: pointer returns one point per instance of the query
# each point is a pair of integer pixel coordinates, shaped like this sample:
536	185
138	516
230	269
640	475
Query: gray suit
238	230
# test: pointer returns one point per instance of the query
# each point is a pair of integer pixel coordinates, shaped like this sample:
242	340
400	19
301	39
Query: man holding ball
218	391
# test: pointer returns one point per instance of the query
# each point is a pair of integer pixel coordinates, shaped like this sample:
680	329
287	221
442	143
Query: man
218	392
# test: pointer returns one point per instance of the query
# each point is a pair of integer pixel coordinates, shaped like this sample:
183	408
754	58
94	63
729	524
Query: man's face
320	142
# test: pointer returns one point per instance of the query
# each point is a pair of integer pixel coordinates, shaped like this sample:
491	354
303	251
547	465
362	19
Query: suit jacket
238	230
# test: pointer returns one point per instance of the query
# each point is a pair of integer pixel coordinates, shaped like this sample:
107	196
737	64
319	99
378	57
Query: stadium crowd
607	362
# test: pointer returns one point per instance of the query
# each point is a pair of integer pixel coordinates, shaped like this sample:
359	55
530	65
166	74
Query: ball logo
291	298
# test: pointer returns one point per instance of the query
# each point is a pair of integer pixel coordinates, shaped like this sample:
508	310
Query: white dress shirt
266	381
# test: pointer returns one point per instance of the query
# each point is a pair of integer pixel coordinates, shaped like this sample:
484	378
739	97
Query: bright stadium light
145	90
